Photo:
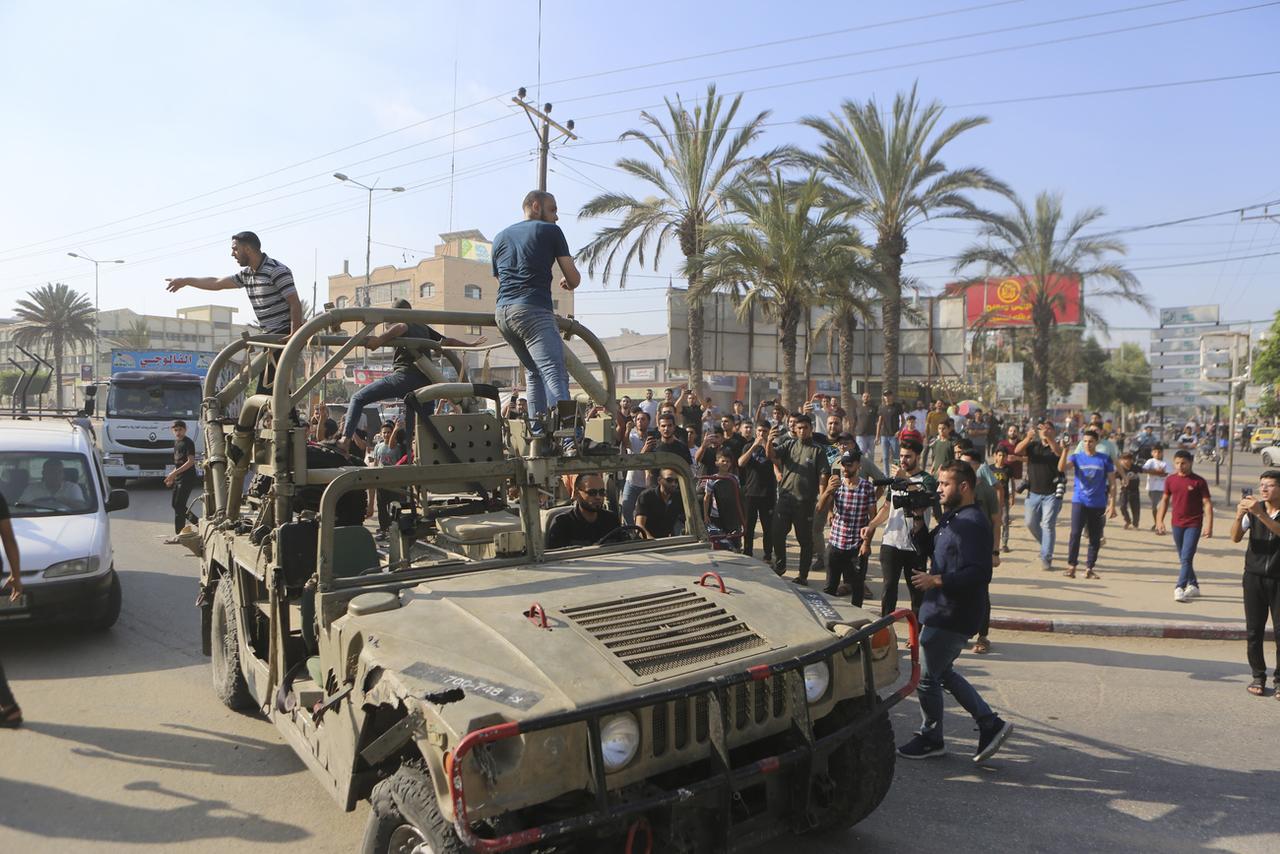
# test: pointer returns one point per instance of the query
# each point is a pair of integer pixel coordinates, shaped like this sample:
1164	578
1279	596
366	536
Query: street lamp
368	235
96	309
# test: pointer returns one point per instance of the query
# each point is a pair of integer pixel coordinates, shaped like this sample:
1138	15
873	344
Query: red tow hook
538	616
641	823
702	582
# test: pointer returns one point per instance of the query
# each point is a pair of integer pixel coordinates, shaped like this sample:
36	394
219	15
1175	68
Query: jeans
630	494
1261	596
889	448
790	513
1041	517
394	386
848	567
1185	541
759	507
1085	518
182	489
867	444
938	651
894	564
535	338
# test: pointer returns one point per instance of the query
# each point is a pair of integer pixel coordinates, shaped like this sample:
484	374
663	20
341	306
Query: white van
52	478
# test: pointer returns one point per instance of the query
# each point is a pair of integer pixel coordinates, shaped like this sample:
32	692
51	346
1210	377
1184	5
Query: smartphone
1246	492
653	433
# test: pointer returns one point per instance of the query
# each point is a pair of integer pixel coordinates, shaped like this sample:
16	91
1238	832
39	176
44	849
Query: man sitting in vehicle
54	488
660	509
588	522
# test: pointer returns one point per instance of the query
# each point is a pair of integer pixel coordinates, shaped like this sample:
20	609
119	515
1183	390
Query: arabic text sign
178	361
1001	302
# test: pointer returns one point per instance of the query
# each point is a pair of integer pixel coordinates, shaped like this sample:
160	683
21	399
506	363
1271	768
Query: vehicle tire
228	678
111	608
117	482
405	816
860	772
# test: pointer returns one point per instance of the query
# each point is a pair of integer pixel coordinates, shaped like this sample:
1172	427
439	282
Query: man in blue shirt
522	258
955	595
1091	501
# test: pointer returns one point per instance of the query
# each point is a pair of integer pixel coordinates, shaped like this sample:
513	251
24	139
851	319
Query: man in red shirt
911	430
1188	493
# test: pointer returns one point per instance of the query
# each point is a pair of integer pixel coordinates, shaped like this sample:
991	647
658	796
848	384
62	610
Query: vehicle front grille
677	724
147	444
664	631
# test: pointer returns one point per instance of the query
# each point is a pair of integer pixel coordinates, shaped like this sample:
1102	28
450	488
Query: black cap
851	457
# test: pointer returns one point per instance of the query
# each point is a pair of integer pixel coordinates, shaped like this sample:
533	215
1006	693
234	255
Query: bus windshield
154	401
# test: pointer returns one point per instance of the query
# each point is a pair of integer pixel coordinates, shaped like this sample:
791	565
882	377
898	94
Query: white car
1271	456
52	478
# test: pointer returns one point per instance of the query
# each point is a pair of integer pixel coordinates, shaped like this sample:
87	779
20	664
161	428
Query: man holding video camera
955	594
911	492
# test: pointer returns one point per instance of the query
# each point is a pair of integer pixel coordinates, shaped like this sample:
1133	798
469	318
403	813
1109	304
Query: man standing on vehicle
183	476
1188	494
1041	450
522	257
954	594
271	293
802	465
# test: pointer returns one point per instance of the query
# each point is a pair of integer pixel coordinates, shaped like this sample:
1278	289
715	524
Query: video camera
907	495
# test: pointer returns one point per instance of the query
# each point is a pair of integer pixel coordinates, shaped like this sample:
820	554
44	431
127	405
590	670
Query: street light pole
368	234
96	308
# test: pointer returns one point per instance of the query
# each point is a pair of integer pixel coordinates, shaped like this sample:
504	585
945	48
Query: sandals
1089	573
1070	572
1257	686
11	718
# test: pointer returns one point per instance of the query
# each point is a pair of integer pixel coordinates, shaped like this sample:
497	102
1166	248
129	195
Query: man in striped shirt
850	499
269	285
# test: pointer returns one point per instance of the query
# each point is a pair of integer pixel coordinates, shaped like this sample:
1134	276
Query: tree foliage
54	316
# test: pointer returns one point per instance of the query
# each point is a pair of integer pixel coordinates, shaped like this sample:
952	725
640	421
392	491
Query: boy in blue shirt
1092	500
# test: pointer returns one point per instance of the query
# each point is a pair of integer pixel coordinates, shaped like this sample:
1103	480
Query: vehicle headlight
79	566
619	740
816	679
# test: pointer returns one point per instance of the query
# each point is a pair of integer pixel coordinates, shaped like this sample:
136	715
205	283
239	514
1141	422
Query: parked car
1271	456
1261	438
52	478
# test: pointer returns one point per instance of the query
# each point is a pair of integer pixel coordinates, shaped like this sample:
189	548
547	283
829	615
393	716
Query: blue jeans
533	335
889	448
1041	517
627	504
1186	540
939	649
393	386
867	444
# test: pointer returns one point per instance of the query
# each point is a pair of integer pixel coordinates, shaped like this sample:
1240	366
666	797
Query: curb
1148	629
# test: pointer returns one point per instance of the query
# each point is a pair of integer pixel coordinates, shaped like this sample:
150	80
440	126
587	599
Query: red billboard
1006	301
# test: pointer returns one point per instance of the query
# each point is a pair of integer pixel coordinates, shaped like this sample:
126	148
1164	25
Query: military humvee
487	694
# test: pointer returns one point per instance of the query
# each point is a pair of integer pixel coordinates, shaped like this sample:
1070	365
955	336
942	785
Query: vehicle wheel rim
406	839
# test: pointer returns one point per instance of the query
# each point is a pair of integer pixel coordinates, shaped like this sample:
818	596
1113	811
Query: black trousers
1092	519
182	489
6	696
849	567
384	498
759	508
792	513
1131	507
984	628
1261	597
898	563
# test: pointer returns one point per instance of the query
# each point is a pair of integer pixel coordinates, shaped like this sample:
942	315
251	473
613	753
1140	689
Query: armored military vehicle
486	693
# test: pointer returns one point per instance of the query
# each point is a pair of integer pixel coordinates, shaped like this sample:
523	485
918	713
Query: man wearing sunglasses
660	509
588	522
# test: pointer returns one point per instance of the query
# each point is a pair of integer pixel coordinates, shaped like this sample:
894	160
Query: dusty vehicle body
488	694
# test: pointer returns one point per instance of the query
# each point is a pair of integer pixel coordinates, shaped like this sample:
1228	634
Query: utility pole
542	124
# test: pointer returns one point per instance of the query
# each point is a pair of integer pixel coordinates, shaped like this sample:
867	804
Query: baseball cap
851	458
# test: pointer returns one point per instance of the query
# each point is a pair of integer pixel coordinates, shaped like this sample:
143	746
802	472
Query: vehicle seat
480	528
354	551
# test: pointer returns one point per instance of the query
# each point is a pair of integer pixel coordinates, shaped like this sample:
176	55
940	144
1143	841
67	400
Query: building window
340	302
473	292
426	290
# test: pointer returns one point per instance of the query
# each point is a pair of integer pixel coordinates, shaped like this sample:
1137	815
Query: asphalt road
1121	744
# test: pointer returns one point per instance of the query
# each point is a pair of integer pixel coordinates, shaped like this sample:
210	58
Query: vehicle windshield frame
165	386
17	510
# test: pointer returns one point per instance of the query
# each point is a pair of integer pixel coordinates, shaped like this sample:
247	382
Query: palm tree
57	316
846	290
1040	244
780	242
700	159
136	337
898	173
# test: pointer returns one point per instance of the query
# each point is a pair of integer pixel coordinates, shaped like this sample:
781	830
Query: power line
1114	90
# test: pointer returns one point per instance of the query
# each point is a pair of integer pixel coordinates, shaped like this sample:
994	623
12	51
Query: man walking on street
522	257
1040	449
954	593
1092	500
888	423
183	476
1259	519
1188	494
801	464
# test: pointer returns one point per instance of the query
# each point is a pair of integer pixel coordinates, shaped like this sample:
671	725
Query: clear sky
151	131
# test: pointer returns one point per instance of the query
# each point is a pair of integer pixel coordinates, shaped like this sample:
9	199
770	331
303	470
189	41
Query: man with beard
588	522
801	464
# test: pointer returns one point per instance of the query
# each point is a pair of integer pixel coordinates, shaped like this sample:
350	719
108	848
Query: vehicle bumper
62	600
786	771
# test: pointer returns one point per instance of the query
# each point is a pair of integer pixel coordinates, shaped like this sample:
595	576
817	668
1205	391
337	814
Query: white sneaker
1192	591
1179	595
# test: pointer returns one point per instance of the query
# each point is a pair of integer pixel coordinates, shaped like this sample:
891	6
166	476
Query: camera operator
898	554
955	592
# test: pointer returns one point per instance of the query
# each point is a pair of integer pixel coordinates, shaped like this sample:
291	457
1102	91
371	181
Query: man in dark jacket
955	596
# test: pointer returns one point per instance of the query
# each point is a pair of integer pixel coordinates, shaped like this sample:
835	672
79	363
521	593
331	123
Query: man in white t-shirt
634	443
54	488
1156	469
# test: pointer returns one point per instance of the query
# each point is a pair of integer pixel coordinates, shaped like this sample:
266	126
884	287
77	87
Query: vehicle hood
46	540
470	631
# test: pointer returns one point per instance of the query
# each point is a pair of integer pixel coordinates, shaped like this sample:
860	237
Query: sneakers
1191	591
990	738
1179	594
982	646
1046	565
922	747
